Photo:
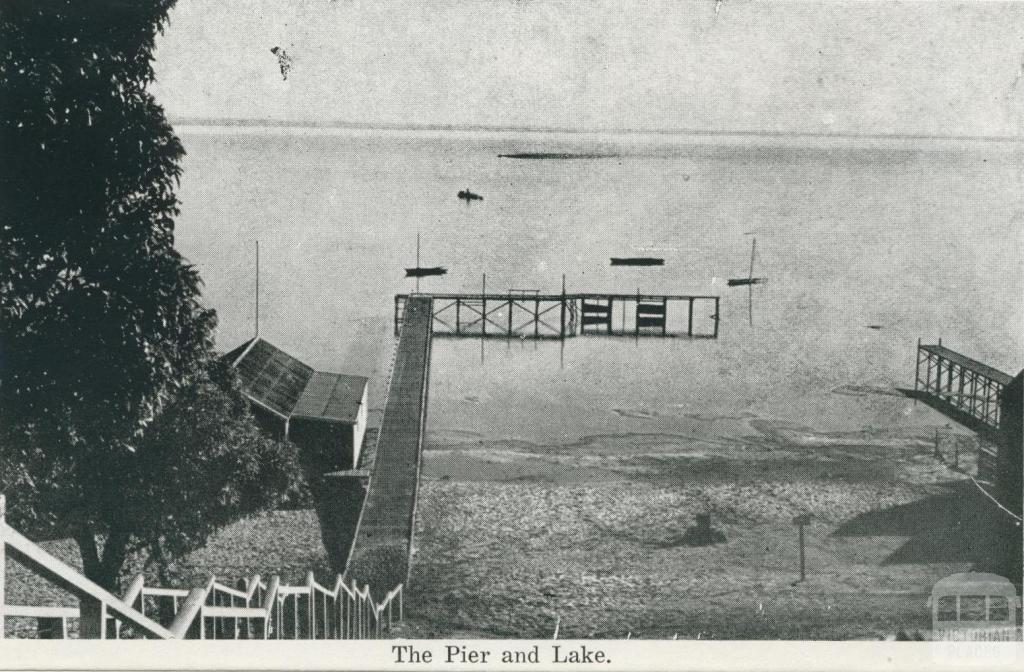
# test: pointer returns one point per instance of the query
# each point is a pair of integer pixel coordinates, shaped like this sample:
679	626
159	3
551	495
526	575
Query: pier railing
530	314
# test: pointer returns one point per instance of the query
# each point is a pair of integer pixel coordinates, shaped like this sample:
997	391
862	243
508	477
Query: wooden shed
325	414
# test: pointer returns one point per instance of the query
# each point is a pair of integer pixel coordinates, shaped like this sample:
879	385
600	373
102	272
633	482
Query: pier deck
380	554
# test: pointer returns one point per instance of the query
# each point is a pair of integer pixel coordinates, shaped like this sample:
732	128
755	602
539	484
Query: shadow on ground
958	525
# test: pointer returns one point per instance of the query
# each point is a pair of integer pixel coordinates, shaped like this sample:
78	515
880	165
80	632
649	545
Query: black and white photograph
511	334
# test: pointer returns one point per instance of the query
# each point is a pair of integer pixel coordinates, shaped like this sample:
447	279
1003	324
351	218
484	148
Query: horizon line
243	122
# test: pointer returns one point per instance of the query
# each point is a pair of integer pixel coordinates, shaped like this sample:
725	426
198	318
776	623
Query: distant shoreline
237	123
556	155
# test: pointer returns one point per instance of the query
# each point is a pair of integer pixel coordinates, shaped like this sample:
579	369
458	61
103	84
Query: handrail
61	574
134	589
187	615
355	612
270	597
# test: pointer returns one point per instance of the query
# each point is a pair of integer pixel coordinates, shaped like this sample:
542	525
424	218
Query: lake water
921	238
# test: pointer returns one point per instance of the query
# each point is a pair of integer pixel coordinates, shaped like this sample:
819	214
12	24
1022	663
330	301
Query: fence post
311	606
93	619
3	562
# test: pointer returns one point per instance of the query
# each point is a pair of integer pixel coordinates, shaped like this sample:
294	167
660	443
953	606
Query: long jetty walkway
383	543
380	555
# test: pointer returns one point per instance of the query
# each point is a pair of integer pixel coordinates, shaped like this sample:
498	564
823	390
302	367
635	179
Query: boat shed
324	414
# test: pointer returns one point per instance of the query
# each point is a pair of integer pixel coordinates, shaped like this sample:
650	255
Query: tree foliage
117	420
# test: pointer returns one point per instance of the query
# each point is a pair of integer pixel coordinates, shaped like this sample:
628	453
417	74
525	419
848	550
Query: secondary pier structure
960	383
530	314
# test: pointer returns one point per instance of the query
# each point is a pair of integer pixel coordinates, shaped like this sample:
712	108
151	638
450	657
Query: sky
924	68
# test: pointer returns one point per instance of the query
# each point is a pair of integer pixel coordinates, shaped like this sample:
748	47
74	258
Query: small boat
638	261
739	282
468	196
419	272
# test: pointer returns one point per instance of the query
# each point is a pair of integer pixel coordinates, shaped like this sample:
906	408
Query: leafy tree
117	424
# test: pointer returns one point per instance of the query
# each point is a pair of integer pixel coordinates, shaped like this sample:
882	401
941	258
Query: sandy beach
513	536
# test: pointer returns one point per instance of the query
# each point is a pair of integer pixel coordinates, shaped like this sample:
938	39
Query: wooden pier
529	314
960	383
383	541
380	555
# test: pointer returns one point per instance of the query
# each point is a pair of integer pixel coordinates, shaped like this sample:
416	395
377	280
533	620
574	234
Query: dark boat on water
750	279
423	272
638	261
468	196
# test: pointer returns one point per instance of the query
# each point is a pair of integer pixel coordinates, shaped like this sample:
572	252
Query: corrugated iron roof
274	379
331	396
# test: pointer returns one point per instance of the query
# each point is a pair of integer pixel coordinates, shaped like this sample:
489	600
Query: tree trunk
105	570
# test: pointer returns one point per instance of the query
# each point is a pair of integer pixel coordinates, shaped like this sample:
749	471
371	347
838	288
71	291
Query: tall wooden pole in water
257	289
562	323
750	283
417	262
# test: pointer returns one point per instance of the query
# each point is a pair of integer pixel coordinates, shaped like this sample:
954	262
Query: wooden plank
25	611
380	553
63	576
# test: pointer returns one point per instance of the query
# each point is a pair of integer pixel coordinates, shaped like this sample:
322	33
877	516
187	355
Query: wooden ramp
380	554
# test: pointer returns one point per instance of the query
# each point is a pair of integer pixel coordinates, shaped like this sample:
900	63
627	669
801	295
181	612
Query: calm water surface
920	238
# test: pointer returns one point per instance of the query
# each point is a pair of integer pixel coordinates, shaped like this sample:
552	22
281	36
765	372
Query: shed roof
331	396
281	383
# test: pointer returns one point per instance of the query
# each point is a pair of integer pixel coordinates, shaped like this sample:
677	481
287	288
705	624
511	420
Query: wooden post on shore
458	307
664	316
510	312
800	521
717	318
536	318
483	309
609	315
689	319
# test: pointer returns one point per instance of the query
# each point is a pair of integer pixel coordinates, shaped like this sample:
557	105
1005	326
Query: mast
257	335
750	285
